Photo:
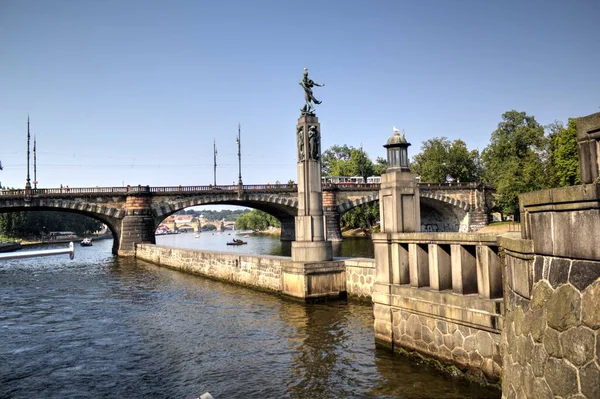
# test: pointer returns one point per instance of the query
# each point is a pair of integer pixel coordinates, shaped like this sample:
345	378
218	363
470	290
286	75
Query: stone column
311	274
400	211
333	231
137	227
588	142
310	244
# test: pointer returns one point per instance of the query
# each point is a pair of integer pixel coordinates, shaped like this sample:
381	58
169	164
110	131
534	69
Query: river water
260	244
106	327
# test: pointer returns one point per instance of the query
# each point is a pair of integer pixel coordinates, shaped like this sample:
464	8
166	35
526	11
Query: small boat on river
237	242
86	242
9	246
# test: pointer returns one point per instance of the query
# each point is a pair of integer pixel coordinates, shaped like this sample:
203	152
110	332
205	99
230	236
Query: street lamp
397	152
239	143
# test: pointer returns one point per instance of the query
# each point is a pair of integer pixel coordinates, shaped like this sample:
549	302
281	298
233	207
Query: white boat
86	242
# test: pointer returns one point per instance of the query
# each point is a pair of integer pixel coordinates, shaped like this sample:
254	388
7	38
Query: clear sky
134	92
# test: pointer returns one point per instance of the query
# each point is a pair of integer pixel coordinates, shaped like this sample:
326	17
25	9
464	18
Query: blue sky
134	92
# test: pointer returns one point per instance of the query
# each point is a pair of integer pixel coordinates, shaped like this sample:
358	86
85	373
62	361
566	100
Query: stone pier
312	274
137	227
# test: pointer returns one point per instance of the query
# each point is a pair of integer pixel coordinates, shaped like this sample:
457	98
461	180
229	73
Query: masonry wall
263	272
259	271
360	277
551	337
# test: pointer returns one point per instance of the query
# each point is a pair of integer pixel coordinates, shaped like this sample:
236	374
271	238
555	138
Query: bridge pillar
137	227
288	229
333	232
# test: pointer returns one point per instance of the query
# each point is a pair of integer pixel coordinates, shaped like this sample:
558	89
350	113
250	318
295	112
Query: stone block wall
472	349
552	336
360	277
263	272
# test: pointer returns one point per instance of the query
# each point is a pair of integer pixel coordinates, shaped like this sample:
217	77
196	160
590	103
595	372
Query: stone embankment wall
551	338
258	271
263	272
440	294
360	277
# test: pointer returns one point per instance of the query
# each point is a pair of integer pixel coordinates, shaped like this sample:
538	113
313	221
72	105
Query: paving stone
442	326
470	344
445	353
539	357
460	356
561	377
542	291
584	273
449	340
589	378
541	390
552	343
564	308
475	359
559	272
426	335
485	343
578	345
590	305
518	321
537	324
527	381
458	339
538	268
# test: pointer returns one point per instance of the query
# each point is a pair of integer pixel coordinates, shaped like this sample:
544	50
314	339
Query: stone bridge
132	213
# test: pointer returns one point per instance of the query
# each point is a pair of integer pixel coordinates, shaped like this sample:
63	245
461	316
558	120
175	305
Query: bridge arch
438	212
108	215
282	208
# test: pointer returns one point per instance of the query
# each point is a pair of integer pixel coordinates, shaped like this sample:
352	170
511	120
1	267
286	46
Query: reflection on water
101	326
261	244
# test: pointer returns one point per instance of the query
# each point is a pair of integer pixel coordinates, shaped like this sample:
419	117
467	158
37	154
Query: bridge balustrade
463	263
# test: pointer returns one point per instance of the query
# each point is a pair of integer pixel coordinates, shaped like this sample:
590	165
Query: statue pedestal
314	281
312	275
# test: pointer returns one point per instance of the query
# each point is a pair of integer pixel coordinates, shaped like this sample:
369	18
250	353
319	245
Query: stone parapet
561	221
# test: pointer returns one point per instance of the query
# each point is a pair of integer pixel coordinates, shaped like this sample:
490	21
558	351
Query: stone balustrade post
464	269
489	272
418	265
440	275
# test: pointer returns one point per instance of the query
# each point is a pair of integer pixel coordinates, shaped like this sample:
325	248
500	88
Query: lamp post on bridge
27	181
239	143
215	162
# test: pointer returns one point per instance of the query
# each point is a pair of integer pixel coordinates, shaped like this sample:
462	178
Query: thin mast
239	142
34	164
27	182
215	161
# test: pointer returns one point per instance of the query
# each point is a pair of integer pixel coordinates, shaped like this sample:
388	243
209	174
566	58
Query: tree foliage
38	223
349	161
514	160
256	220
563	160
439	159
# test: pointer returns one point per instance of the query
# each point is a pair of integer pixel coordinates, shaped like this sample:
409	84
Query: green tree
439	158
513	162
349	161
563	159
256	220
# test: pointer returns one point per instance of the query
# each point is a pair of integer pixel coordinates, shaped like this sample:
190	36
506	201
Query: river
264	244
100	326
